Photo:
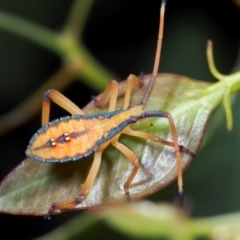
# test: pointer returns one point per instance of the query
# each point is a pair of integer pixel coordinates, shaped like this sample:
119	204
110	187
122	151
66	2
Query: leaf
151	220
148	220
32	187
144	217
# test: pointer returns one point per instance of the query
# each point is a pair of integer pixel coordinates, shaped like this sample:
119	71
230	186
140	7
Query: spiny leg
85	189
60	100
134	160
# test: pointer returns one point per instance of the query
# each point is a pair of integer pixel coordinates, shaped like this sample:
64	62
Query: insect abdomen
66	139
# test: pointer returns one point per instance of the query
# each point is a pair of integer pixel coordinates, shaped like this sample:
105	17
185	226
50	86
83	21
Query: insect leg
134	160
85	189
112	88
155	138
130	80
176	146
60	100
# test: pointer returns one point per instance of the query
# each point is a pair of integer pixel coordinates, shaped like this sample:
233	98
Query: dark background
122	36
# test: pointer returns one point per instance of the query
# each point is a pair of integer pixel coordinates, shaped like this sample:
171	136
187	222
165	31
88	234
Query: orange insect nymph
79	135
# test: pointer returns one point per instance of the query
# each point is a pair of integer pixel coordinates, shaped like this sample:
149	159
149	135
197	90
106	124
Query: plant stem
33	32
77	18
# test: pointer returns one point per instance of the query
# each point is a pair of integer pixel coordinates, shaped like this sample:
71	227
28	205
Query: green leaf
151	220
32	187
148	220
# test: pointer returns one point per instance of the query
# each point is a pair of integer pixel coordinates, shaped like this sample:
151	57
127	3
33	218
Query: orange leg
154	138
178	156
128	131
60	100
174	144
85	189
112	88
130	80
134	160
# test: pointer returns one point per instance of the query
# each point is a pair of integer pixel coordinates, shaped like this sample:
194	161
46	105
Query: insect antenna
157	56
164	114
